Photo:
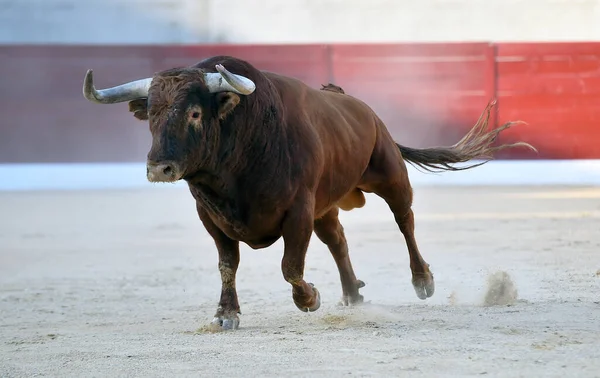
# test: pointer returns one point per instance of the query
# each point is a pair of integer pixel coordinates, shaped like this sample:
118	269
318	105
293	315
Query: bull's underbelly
255	236
340	190
262	242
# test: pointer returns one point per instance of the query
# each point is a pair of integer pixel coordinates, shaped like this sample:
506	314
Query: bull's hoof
423	284
353	300
226	322
317	301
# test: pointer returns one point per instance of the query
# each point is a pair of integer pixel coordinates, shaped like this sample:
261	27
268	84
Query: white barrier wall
296	21
133	175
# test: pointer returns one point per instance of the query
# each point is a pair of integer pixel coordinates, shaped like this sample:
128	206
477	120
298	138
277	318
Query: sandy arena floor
123	283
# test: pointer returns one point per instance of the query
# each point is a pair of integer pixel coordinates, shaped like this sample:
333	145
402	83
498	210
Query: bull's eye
195	115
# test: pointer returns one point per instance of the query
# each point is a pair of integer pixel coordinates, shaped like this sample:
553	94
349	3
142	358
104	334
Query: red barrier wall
428	94
556	89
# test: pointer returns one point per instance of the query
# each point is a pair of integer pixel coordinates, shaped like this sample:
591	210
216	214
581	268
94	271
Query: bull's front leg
227	313
229	260
296	231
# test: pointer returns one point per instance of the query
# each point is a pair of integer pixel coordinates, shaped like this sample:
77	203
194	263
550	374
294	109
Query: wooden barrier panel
47	119
428	94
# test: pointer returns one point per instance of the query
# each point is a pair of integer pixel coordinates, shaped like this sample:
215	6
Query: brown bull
266	156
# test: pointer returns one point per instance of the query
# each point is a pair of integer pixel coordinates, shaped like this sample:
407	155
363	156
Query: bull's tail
477	144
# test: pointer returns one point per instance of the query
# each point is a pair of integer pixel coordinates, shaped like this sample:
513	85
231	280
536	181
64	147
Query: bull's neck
256	149
246	156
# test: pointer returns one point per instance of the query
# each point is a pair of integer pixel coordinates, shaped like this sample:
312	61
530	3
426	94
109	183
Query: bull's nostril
168	171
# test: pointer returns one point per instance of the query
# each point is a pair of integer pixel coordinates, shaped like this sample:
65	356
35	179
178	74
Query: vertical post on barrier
491	80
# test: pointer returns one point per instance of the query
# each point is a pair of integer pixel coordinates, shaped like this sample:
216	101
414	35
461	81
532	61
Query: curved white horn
227	81
121	93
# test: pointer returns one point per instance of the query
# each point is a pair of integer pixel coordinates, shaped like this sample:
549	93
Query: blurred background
428	67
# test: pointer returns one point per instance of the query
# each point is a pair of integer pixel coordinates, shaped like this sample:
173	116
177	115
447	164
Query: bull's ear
139	108
226	102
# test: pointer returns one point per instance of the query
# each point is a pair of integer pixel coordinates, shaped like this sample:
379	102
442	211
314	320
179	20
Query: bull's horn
121	93
231	83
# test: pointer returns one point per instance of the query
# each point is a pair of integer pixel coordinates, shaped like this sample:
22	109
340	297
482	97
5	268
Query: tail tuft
476	144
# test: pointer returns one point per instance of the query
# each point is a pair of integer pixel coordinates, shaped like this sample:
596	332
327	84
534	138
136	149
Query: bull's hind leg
330	231
398	195
392	184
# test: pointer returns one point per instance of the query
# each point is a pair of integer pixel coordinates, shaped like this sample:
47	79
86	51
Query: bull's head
184	108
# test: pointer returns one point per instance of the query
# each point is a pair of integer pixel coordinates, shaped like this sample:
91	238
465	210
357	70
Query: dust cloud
501	290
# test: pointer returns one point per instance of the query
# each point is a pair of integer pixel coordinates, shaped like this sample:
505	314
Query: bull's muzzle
165	171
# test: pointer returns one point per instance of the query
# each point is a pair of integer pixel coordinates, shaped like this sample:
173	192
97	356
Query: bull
267	157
